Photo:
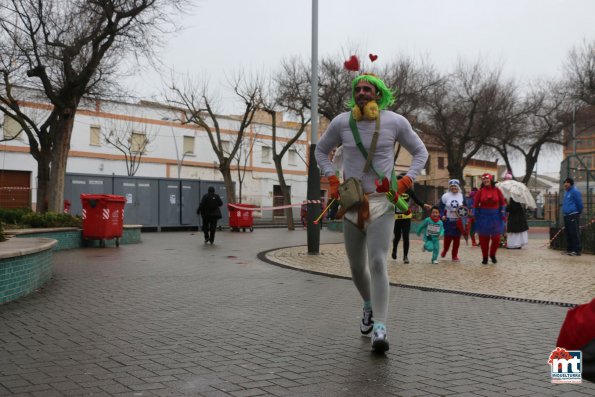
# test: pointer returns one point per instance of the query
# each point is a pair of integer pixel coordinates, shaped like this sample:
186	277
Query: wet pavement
174	317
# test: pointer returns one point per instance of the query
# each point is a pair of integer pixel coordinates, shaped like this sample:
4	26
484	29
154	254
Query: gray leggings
376	240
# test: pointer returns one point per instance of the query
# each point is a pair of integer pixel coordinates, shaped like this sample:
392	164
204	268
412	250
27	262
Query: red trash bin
241	218
67	205
103	217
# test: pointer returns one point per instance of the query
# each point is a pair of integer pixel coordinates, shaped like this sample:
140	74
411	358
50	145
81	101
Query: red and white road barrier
549	243
278	207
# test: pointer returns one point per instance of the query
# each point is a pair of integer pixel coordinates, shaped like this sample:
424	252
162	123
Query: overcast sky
530	39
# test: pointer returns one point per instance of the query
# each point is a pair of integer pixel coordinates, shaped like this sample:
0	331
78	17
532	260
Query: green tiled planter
24	266
67	237
70	237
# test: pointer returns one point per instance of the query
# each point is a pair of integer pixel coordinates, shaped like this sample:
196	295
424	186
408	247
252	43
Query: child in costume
449	204
470	202
433	229
403	222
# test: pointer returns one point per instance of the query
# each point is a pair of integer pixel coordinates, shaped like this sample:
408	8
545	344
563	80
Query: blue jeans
573	238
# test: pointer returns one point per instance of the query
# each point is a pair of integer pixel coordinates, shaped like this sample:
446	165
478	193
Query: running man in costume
449	203
432	229
403	223
368	228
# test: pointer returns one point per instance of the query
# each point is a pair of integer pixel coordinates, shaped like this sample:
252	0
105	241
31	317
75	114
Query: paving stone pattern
534	272
174	317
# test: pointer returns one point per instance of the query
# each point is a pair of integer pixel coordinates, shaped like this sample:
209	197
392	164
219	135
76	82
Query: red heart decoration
352	64
373	57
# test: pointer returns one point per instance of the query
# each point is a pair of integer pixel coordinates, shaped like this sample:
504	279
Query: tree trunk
228	181
529	166
240	183
285	192
61	132
43	181
455	171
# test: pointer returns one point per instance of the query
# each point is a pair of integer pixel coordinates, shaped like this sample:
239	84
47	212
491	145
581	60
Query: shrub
13	216
50	219
2	238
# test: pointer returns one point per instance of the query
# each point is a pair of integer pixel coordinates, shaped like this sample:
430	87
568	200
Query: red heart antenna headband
352	64
386	98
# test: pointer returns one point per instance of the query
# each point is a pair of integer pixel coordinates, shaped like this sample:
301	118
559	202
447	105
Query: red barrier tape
279	207
560	231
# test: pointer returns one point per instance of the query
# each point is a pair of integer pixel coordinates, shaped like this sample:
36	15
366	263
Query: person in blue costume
432	229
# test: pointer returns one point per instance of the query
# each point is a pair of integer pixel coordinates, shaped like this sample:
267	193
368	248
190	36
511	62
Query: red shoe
443	254
456	259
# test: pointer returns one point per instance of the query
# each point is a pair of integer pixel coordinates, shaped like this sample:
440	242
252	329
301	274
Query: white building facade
169	148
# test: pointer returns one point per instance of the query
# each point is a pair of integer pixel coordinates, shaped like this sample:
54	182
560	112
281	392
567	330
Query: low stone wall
66	237
71	237
25	265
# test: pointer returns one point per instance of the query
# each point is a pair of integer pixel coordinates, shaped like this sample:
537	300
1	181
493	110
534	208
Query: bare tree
242	157
66	49
580	72
542	124
197	104
280	98
334	84
412	82
132	140
463	110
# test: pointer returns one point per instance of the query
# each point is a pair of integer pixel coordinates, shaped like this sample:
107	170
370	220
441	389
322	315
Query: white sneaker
367	323
434	262
379	338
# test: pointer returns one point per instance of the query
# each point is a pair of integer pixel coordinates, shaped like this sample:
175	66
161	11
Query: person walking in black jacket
211	213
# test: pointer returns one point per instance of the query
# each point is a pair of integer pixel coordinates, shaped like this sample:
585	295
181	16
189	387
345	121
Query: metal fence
580	168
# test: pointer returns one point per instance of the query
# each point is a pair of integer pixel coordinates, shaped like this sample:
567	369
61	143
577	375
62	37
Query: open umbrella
518	191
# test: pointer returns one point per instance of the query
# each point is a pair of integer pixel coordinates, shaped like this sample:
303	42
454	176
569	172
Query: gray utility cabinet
142	200
190	195
178	201
76	184
151	202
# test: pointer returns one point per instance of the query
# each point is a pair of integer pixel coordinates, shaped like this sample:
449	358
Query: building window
95	135
226	147
138	142
266	154
188	144
427	166
441	163
12	129
292	157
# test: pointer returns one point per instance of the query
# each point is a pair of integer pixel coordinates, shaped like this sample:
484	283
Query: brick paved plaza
174	317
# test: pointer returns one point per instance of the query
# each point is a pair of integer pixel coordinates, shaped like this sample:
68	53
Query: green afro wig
387	97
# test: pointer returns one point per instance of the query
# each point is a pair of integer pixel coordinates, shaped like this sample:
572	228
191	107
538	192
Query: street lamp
313	193
173	135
